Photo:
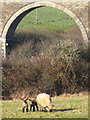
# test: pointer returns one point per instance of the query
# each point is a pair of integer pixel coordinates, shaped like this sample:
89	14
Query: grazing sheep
44	100
25	105
33	105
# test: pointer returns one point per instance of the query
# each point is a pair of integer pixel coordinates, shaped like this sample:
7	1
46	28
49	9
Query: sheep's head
49	108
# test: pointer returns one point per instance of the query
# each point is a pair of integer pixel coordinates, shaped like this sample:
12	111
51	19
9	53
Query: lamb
25	105
33	105
44	100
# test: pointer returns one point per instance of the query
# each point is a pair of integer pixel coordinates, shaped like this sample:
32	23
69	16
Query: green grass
49	18
65	107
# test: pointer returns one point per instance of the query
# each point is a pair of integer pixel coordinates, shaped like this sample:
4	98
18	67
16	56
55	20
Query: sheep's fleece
44	100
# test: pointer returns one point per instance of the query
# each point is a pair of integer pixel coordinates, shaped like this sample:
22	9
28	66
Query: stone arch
13	21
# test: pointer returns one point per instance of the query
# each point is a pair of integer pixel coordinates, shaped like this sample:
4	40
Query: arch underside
8	31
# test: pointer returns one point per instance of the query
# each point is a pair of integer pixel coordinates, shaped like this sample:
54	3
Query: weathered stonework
12	12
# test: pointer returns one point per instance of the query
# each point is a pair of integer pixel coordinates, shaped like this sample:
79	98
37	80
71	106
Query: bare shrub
53	66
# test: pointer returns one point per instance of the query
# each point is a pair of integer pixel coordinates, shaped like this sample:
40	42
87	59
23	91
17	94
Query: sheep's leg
23	109
31	107
27	109
37	107
40	108
43	109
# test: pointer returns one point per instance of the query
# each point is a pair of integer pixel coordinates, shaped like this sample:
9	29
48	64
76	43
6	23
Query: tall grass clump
53	66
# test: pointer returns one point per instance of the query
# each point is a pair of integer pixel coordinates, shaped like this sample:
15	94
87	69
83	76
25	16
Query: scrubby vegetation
47	65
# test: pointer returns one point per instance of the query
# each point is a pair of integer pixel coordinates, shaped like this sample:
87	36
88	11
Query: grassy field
48	18
70	106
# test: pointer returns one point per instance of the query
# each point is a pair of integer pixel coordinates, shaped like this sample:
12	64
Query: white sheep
44	100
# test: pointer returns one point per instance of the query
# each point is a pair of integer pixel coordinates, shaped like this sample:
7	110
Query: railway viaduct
12	12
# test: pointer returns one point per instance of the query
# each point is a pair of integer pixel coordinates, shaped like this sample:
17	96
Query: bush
53	66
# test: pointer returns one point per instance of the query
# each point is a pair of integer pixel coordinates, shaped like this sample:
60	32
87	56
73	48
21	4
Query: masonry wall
7	9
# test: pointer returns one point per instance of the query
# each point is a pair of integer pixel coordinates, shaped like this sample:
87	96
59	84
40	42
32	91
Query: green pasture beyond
70	106
48	18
